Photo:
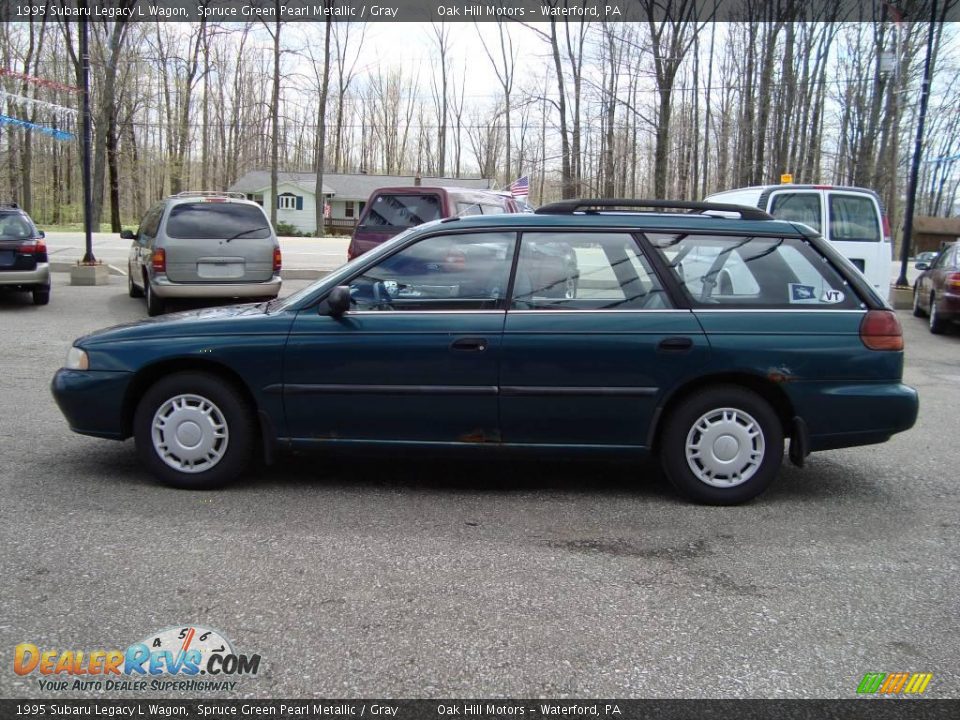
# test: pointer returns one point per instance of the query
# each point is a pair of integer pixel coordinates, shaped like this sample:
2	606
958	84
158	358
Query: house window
348	209
289	201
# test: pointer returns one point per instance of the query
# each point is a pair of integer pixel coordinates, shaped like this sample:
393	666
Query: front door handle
470	344
675	344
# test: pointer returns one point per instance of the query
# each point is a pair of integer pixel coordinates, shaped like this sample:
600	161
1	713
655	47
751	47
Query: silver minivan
203	245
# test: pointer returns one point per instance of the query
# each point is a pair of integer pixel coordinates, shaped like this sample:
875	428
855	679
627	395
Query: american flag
520	187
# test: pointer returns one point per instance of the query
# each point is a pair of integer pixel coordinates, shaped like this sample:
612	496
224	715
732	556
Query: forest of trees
672	107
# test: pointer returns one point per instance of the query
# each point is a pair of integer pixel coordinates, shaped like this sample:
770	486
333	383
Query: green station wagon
708	337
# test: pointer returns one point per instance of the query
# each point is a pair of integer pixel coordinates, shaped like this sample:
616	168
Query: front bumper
24	278
92	401
166	289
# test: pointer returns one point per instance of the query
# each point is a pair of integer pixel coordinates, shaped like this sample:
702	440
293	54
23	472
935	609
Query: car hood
230	320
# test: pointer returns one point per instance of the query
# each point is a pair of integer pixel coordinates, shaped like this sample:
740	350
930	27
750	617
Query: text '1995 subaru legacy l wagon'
707	337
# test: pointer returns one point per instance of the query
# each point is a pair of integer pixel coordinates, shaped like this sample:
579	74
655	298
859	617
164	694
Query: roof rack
568	207
210	193
10	205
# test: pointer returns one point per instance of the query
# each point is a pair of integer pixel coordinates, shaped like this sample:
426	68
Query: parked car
23	255
936	293
852	218
203	245
392	210
924	258
451	337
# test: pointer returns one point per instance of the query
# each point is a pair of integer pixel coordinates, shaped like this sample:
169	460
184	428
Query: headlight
77	359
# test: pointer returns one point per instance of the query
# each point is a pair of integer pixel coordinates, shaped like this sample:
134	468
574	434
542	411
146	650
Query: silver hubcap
725	447
190	433
933	311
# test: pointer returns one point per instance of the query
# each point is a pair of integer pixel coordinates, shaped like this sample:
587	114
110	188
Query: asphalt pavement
412	578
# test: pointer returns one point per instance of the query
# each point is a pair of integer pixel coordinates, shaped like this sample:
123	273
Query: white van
851	218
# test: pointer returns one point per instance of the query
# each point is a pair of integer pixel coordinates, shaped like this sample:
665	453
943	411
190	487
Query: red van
391	210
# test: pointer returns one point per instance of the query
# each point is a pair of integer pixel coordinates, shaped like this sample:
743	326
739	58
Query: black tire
230	411
917	310
132	289
41	295
937	324
155	305
750	412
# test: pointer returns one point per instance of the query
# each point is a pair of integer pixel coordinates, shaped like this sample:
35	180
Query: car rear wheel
154	303
132	289
917	310
194	431
722	446
937	323
41	295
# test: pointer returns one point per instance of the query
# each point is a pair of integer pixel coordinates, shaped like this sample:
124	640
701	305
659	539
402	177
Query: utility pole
88	258
917	152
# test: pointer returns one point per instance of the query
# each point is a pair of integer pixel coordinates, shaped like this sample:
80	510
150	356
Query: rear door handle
469	343
675	344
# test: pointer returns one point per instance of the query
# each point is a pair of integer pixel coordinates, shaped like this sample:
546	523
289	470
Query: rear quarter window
753	272
211	221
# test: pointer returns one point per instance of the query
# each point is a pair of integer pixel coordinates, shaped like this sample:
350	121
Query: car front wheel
132	289
722	445
194	431
917	310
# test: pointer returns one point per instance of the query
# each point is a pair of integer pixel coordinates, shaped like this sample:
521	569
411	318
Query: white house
346	194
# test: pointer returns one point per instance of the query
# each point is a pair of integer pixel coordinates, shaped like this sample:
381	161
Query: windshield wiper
246	232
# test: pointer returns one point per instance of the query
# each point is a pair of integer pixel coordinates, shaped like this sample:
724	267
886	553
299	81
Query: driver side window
443	272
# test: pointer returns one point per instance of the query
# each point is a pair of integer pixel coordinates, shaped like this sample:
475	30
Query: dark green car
708	337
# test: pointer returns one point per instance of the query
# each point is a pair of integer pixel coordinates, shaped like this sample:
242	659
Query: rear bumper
164	288
850	415
92	401
39	276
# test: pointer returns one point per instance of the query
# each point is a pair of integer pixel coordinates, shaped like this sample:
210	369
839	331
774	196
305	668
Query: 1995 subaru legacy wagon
707	337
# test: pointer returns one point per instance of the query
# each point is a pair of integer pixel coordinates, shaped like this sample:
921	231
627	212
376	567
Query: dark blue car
705	338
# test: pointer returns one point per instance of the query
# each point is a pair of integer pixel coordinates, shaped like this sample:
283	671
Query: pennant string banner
33	102
52	132
52	84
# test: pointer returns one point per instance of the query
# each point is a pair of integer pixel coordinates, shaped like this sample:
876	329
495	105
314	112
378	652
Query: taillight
34	247
350	252
953	280
277	259
886	228
159	260
880	330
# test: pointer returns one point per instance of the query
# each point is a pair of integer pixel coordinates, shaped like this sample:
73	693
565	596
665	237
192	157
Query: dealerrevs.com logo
190	658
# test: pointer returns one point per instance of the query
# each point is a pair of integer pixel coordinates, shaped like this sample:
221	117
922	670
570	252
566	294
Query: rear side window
213	221
797	207
403	211
753	272
584	271
853	218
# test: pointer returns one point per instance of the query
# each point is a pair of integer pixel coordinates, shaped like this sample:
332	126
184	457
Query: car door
416	357
932	282
591	342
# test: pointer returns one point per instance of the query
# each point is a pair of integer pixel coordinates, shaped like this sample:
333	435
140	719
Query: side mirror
127	235
41	233
922	266
338	301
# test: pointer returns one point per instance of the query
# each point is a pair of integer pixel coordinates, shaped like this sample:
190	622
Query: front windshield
342	271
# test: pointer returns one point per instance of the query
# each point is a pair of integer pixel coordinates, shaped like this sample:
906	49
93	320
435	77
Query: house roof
349	186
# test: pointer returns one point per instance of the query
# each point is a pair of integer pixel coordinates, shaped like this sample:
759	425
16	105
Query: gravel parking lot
411	578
